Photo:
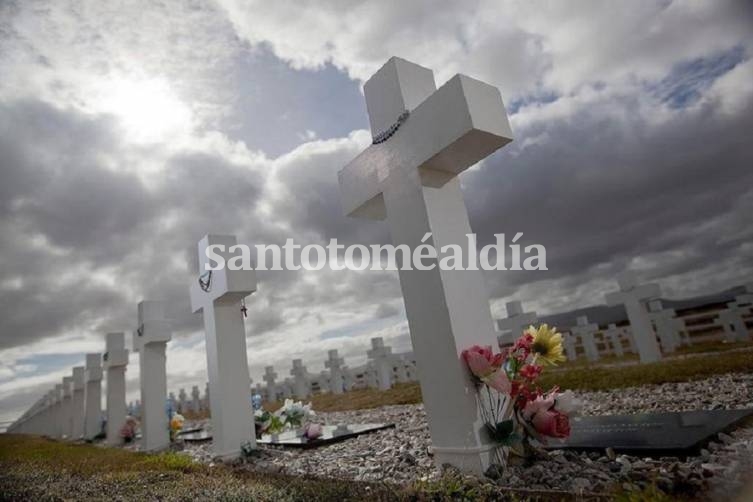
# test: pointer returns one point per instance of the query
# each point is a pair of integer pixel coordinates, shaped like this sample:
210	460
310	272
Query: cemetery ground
396	464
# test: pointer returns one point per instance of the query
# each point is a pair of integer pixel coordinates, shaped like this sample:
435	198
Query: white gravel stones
402	454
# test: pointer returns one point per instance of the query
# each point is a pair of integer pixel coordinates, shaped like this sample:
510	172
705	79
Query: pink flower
481	360
313	430
551	423
498	381
539	405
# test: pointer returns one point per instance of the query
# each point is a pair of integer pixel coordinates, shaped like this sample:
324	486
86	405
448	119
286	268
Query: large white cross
150	340
218	296
115	360
409	177
632	296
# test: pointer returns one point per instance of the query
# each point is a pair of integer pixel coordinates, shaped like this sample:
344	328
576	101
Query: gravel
403	454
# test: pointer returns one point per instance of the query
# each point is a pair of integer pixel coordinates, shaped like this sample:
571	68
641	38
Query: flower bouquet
176	425
128	430
518	415
292	418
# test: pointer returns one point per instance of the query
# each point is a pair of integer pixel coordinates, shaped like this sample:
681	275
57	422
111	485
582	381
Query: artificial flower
176	423
128	430
567	403
551	423
531	371
295	413
537	405
498	381
313	430
547	344
481	360
524	343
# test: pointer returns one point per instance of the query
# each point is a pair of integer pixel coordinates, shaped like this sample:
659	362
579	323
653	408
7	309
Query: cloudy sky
128	131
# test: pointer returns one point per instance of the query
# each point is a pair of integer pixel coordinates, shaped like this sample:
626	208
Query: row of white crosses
648	319
195	404
383	370
71	409
74	409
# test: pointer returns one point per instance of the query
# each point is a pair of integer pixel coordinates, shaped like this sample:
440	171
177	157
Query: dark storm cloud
604	191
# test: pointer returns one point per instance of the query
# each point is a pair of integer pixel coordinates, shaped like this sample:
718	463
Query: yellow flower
547	344
176	423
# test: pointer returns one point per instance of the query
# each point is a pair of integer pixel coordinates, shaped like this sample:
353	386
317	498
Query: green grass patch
34	468
405	393
595	377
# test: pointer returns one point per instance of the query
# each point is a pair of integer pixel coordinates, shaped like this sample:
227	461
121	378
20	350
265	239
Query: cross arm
224	285
461	123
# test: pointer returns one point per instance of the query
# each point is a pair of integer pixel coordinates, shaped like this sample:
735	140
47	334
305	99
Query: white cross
585	332
150	341
613	335
67	410
410	178
668	327
632	295
77	402
568	341
733	322
270	376
381	358
115	360
93	395
300	379
514	324
218	294
335	365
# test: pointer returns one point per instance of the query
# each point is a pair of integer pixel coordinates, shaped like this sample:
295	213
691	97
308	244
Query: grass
595	377
405	393
587	377
35	468
702	347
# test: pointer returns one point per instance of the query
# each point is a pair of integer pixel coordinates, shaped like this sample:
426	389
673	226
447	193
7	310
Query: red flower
551	423
530	371
525	342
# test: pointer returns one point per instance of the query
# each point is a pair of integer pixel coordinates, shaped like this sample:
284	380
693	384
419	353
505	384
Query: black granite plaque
330	434
655	434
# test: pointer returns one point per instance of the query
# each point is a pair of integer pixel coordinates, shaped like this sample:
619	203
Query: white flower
567	403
